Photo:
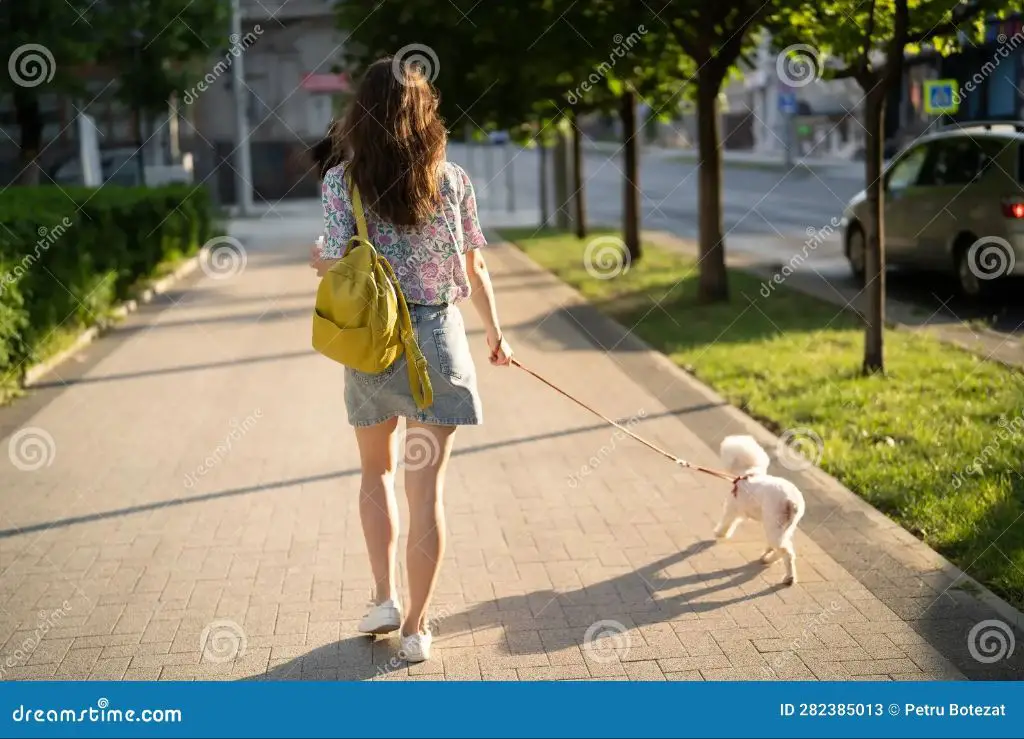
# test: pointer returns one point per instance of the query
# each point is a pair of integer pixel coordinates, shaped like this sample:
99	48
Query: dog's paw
789	581
721	534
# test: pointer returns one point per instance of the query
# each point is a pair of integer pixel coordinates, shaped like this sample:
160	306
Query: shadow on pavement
299	481
631	600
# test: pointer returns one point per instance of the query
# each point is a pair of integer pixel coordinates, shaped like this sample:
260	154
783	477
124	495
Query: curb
626	342
146	295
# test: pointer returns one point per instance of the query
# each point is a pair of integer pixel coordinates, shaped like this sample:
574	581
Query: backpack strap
419	379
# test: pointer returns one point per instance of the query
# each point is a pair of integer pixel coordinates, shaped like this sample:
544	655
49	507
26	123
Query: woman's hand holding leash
501	352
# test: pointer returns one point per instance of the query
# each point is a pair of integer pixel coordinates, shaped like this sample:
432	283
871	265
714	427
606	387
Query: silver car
954	203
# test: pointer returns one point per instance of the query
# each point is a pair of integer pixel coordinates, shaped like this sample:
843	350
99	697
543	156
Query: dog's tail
789	512
743	455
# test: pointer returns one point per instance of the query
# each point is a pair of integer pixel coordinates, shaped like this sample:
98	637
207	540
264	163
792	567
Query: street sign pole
787	106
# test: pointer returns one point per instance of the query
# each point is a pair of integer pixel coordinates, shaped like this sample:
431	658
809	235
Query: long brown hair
394	142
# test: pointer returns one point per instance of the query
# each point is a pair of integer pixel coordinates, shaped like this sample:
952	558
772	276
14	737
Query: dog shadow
642	597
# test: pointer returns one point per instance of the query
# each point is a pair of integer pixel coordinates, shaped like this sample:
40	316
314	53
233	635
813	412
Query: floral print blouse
429	259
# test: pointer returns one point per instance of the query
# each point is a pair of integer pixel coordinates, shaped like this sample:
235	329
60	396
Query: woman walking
421	216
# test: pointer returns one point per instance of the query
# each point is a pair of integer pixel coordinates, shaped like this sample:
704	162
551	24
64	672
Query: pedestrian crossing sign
940	97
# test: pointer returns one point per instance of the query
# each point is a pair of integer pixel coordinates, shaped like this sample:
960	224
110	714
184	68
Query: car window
906	171
952	162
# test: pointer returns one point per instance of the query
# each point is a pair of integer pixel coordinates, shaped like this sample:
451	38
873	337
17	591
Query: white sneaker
383	618
416	647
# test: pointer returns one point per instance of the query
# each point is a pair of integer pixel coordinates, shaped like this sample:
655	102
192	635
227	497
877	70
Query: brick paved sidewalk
193	515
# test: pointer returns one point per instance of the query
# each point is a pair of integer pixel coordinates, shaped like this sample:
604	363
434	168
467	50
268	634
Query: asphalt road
769	214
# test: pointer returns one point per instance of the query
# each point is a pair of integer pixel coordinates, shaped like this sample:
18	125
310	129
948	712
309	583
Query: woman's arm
486	307
339	223
482	292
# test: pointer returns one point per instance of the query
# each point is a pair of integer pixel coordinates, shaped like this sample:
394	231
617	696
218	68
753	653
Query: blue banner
598	709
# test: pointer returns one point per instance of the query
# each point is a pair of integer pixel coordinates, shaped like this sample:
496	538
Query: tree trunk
713	285
30	125
874	271
543	156
631	181
580	215
561	162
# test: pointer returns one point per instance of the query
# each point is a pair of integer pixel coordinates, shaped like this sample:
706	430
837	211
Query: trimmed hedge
69	255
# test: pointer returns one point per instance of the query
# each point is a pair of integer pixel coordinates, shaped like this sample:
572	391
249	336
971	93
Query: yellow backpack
361	319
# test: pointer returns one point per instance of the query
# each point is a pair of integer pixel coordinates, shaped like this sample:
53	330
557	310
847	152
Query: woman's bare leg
378	509
427	449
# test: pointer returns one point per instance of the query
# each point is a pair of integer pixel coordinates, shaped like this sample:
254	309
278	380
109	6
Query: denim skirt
374	398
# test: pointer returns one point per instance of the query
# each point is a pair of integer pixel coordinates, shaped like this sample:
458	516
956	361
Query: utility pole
243	169
510	180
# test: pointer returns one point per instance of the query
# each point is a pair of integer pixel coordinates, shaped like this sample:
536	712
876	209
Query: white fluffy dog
777	503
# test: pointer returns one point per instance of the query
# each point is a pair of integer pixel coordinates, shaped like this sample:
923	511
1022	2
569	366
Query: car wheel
856	253
968	282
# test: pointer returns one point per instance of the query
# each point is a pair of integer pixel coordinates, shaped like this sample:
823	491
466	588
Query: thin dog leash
681	462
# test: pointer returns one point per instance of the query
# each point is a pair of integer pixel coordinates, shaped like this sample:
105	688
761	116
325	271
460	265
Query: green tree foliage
868	42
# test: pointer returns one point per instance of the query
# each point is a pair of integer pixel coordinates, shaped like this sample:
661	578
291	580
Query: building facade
291	91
